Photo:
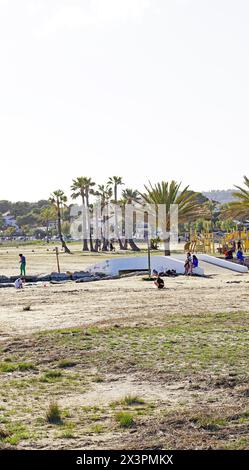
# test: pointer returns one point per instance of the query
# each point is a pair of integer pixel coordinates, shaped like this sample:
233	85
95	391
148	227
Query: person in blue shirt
240	256
195	261
22	265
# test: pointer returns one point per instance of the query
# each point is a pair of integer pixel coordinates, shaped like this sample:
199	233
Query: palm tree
168	193
128	197
240	207
104	192
131	195
83	187
114	182
58	200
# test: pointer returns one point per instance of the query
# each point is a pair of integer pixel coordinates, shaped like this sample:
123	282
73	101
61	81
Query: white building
9	220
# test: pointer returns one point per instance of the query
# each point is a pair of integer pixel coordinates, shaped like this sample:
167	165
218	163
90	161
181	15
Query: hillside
220	195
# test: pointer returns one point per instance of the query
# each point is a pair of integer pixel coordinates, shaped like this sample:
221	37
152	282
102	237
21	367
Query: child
18	283
159	282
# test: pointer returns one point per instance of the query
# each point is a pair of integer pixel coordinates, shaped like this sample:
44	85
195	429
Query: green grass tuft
124	419
51	376
132	400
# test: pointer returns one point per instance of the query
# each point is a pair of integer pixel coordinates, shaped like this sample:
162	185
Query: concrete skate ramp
222	263
114	266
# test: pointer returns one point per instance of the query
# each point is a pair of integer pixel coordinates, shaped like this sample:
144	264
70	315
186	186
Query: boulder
88	279
60	277
80	275
27	278
4	279
44	277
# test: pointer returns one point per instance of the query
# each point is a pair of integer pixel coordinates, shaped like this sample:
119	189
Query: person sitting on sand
240	256
159	282
228	254
195	261
22	265
18	283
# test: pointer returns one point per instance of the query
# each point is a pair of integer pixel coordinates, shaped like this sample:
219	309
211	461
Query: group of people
190	263
229	252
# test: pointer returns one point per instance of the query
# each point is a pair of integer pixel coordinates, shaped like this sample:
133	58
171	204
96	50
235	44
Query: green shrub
124	419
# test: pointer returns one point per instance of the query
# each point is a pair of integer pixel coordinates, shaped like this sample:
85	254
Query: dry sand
126	301
70	304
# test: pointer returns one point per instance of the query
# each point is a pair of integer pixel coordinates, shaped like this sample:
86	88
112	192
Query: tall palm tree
167	193
115	182
240	207
128	197
83	187
104	193
58	199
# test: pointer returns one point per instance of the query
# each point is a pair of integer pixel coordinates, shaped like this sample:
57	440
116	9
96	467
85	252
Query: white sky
147	89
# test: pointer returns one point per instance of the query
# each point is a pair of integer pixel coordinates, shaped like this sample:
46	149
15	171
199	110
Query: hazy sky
147	89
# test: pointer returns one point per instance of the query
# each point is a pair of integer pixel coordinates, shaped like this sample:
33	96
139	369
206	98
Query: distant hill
21	207
220	195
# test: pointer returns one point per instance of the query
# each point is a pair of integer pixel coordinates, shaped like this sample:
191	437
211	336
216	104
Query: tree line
194	210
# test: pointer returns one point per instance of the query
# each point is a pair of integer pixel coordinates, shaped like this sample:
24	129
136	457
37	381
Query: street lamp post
149	264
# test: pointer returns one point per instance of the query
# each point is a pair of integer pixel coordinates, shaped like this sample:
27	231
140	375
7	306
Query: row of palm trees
83	188
190	206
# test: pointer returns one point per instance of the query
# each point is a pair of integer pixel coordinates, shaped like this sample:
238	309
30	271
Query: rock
60	277
4	279
115	276
80	274
44	277
27	278
100	274
88	279
60	282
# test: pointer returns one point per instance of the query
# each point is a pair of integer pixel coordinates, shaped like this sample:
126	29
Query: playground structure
205	242
200	243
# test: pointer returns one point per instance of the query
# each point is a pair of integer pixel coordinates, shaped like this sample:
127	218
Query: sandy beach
70	304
